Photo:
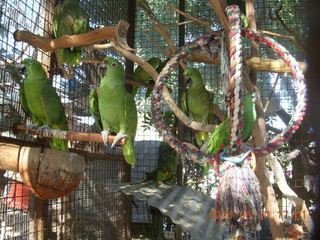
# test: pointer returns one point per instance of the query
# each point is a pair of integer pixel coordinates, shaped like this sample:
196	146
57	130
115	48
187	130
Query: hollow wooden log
69	135
118	32
49	173
9	156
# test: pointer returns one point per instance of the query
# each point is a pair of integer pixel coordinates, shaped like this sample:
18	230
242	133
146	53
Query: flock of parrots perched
111	105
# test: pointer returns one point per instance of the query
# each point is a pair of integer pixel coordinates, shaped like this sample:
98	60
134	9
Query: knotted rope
196	155
234	94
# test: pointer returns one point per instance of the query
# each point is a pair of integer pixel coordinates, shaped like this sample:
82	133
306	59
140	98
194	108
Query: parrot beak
22	69
187	77
103	66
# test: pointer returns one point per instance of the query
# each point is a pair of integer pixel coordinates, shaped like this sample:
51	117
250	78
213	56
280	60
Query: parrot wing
94	108
184	106
54	108
23	101
249	116
55	115
159	68
141	75
131	114
131	121
220	136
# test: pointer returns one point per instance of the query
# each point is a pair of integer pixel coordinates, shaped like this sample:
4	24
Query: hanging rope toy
249	187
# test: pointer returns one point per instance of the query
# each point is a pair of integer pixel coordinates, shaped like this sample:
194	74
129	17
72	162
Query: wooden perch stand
49	173
117	33
69	135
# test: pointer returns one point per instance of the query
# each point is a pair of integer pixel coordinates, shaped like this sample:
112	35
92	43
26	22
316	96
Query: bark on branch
68	135
118	32
288	192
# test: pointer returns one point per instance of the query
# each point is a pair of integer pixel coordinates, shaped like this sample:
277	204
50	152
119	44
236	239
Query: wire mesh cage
94	211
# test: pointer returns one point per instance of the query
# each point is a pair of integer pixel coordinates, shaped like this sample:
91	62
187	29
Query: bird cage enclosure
97	209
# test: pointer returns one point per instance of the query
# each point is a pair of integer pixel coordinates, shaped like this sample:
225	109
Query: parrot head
192	75
112	67
29	66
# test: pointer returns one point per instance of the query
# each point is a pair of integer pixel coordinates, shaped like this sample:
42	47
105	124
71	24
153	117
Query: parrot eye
114	64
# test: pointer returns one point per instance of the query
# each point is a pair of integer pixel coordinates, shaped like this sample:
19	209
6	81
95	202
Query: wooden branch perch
187	15
138	83
288	192
219	6
69	135
166	94
118	32
256	63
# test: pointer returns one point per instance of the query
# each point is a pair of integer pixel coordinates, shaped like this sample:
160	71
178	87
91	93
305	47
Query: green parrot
197	102
142	76
69	19
220	136
242	6
40	99
167	165
115	107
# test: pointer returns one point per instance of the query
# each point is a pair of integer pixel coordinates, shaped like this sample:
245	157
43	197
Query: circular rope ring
198	156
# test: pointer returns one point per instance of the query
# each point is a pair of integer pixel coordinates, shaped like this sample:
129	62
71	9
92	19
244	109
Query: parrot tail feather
69	56
128	152
59	144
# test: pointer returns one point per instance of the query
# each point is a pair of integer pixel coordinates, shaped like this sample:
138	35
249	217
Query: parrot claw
104	135
41	129
118	137
205	146
29	128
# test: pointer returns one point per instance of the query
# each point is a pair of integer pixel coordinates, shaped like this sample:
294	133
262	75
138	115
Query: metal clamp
238	158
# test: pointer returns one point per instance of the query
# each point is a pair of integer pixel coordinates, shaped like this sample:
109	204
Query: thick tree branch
187	15
219	7
256	63
69	135
288	192
48	45
259	134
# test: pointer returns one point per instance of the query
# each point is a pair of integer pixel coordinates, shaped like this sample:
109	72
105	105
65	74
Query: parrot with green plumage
197	102
219	138
115	107
142	76
69	19
167	165
40	99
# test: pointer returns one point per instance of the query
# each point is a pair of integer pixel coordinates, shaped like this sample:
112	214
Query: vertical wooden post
131	19
38	218
259	134
125	201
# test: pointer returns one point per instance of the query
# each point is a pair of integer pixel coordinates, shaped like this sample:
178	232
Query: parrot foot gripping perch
41	130
118	137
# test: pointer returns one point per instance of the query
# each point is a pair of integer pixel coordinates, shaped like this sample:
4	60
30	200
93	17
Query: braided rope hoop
198	156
